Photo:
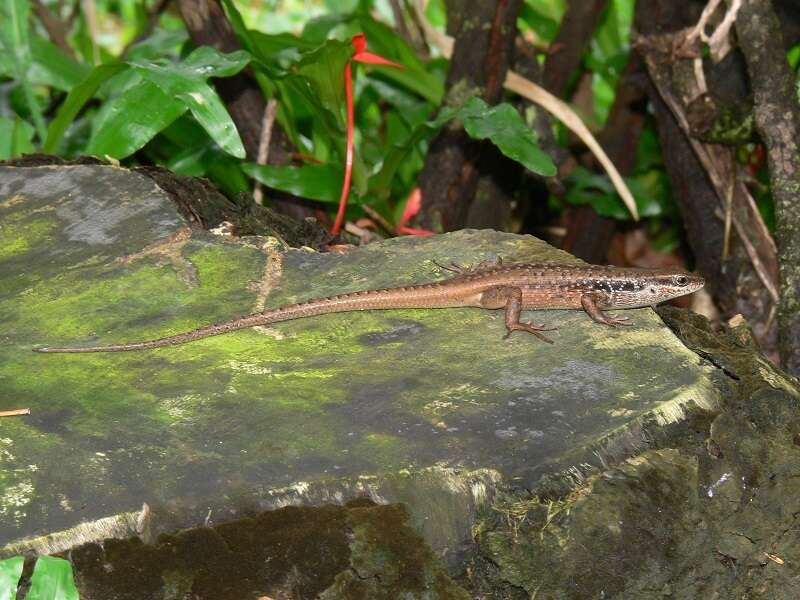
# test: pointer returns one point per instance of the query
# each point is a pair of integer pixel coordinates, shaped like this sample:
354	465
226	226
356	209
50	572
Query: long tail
409	297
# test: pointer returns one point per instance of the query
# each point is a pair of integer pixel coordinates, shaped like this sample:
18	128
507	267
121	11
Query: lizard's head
665	284
646	287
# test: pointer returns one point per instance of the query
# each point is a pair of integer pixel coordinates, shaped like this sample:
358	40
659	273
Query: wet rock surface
359	550
616	462
709	511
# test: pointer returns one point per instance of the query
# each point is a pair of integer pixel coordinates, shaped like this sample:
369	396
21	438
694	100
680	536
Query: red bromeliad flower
413	205
361	55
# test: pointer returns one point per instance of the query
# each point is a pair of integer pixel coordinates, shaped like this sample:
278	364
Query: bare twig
718	42
729	192
15	413
263	144
56	29
378	218
402	26
365	235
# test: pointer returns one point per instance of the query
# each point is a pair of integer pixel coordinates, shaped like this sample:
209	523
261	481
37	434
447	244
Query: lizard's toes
531	326
617	321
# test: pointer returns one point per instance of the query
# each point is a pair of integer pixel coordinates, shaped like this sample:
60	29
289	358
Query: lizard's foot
530	327
612	321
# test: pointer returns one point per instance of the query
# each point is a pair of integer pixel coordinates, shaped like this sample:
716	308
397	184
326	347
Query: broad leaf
280	50
380	182
52	580
545	27
322	81
76	99
126	123
316	182
505	128
49	65
319	80
186	82
161	43
318	30
10	572
205	62
501	124
53	67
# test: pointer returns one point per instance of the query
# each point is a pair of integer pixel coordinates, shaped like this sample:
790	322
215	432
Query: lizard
512	287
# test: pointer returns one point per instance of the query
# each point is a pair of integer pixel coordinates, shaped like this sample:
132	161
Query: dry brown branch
263	144
717	162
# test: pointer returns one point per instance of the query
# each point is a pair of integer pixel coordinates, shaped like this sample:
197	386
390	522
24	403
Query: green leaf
501	124
236	21
279	50
186	83
53	67
319	80
15	42
505	128
10	572
380	183
15	137
161	43
52	580
205	62
608	54
436	13
185	148
316	182
75	100
126	123
318	29
648	189
550	9
322	81
793	56
545	27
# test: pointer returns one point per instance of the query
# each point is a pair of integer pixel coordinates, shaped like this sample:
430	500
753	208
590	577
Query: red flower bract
359	42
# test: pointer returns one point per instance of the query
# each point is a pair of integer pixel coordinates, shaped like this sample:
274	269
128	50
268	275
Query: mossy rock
428	407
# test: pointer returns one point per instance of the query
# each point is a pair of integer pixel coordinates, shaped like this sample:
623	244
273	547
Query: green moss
337	396
19	234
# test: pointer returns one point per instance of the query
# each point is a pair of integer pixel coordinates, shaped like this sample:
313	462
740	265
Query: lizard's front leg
589	304
510	298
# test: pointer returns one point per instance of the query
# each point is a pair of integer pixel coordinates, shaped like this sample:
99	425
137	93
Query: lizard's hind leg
510	298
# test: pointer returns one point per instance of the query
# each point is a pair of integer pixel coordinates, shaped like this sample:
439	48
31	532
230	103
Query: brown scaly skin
491	286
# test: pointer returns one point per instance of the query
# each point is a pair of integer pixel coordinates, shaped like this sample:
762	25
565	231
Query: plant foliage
148	96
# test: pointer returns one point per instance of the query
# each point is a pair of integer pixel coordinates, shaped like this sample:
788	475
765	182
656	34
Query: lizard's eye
681	280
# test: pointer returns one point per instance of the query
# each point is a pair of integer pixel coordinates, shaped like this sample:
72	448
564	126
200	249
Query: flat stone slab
430	407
